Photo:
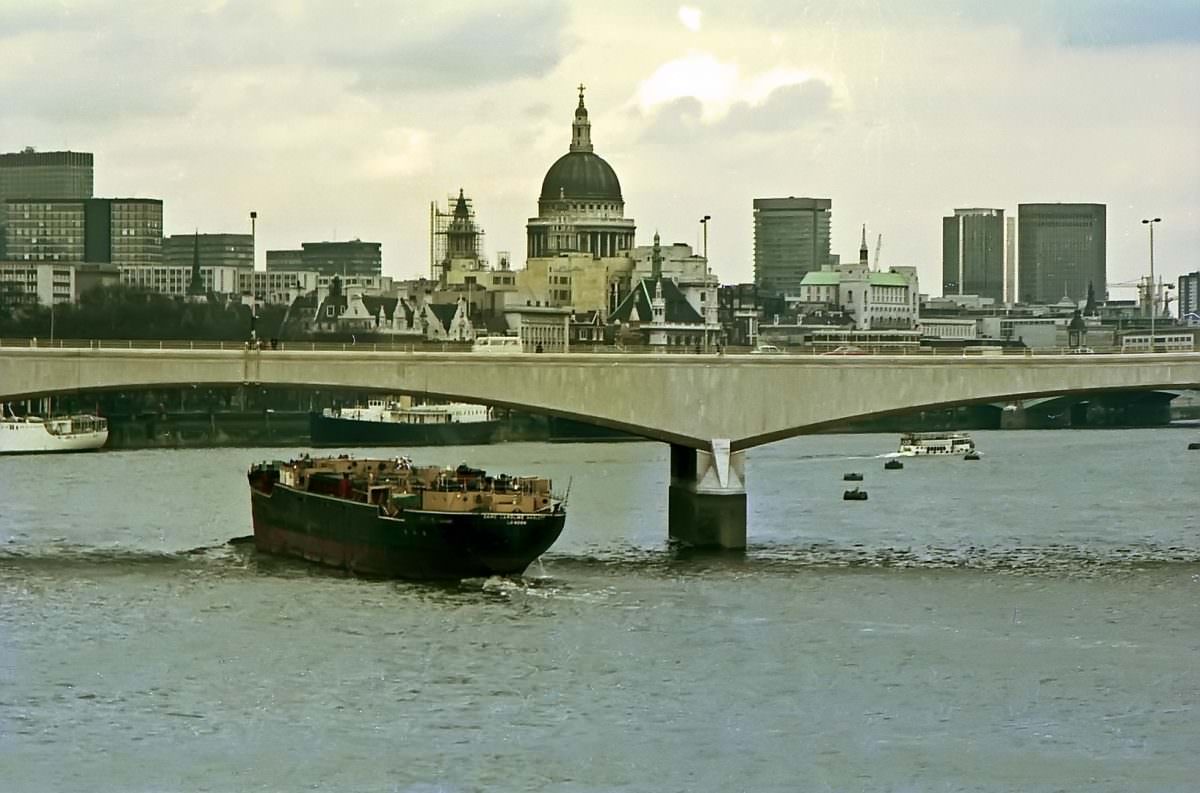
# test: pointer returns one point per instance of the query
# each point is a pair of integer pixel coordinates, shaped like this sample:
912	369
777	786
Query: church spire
863	253
196	284
581	128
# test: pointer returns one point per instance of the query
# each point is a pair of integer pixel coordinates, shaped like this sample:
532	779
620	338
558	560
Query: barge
389	518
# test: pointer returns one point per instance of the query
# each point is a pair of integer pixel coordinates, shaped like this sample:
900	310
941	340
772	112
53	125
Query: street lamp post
253	240
704	225
1153	291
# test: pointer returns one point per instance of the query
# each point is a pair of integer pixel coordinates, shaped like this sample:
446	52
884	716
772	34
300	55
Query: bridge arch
687	400
791	432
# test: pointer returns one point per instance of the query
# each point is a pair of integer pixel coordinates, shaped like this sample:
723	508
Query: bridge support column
706	507
1013	417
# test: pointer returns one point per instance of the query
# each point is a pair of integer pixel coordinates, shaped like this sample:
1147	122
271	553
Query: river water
1030	621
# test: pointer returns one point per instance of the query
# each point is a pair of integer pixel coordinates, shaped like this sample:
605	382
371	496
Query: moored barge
399	422
387	517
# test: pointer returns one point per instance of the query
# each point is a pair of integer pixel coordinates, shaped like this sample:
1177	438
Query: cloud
787	108
698	93
524	42
677	121
83	61
47	17
1112	23
1071	23
690	17
698	75
396	153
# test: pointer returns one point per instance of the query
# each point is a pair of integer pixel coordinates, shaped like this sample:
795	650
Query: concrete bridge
709	408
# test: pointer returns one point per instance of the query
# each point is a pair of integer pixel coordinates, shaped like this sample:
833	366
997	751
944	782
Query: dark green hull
416	544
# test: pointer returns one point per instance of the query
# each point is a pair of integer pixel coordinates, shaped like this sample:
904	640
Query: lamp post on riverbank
1153	291
253	240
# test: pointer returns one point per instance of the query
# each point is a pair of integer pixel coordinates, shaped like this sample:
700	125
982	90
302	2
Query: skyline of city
715	125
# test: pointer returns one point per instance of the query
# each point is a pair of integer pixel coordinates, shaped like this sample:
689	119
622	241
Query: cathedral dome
581	175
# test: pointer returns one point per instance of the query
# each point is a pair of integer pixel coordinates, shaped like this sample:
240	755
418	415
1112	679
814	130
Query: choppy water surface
1027	622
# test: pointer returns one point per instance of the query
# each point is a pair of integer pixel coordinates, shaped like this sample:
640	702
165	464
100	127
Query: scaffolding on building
442	224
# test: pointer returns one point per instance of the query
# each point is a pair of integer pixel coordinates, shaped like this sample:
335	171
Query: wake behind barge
390	518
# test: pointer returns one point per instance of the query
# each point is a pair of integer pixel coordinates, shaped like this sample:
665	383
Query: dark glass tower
1061	249
973	253
791	239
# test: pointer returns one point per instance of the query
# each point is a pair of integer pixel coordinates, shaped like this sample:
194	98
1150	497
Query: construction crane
1145	290
878	245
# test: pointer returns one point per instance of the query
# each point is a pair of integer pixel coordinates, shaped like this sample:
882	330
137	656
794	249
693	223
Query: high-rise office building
1010	259
791	239
1061	250
292	260
331	258
973	253
1189	297
121	231
43	174
223	259
216	250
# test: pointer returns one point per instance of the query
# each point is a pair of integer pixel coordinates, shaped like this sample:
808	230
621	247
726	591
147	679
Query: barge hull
417	544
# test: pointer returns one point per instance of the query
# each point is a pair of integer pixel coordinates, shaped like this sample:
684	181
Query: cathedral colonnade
603	244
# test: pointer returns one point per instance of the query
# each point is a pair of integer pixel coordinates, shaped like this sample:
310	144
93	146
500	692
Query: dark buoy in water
1194	446
893	465
853	476
971	455
854	495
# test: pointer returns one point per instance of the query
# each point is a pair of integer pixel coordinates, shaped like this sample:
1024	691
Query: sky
336	119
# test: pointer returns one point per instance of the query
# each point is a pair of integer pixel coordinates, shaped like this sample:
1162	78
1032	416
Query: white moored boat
920	444
33	435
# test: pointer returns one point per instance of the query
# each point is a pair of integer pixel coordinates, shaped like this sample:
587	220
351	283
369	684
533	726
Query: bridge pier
706	505
1013	417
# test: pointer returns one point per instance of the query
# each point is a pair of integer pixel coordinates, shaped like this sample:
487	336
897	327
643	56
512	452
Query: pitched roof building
660	311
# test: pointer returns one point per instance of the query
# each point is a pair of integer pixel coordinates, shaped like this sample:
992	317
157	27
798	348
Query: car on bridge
766	349
846	349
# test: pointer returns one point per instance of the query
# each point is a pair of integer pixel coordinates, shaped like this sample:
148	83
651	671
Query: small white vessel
33	435
403	411
921	444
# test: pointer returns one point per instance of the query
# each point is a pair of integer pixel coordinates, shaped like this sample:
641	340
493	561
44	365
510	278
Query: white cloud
396	153
716	86
698	75
690	17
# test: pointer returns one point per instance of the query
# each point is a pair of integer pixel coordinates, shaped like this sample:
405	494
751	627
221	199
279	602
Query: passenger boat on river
926	444
387	517
34	435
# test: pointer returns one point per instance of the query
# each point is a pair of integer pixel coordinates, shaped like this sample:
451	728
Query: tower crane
878	245
1146	293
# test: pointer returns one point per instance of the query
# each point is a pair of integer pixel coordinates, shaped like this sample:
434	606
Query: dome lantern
581	128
